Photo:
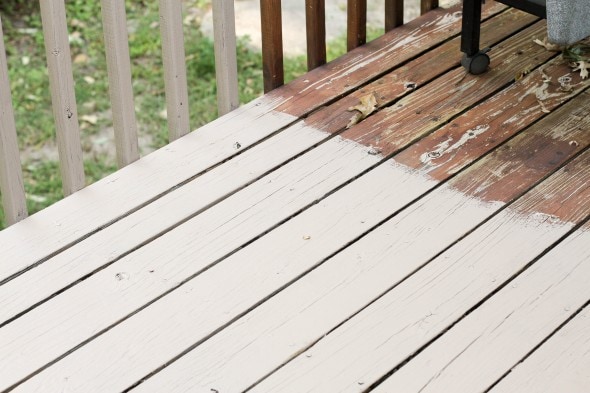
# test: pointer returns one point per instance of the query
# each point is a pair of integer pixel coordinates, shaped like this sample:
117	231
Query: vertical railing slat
357	23
315	19
394	14
11	177
272	44
119	72
174	60
226	64
63	97
427	5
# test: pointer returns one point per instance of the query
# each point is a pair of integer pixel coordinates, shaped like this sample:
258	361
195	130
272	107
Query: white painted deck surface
440	245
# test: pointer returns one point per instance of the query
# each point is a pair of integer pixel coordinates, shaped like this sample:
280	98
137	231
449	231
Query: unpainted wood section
560	364
356	32
435	104
385	53
172	258
315	20
119	71
226	63
491	340
427	5
394	14
272	44
379	338
108	200
174	60
12	189
63	98
415	74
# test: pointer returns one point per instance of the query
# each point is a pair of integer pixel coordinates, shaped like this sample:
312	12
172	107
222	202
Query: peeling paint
445	147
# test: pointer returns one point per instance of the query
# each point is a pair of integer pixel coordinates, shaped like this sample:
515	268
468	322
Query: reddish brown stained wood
344	74
416	73
430	107
357	23
394	14
315	19
272	44
427	5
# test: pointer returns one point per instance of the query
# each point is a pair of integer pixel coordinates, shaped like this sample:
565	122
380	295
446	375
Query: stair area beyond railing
59	64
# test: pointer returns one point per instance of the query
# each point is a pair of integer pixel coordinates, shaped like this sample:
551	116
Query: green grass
30	85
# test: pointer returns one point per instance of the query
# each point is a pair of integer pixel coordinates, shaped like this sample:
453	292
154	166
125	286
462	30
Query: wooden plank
173	56
61	82
560	364
226	63
382	336
114	21
356	32
394	14
492	339
427	5
58	227
25	291
145	273
12	189
315	22
272	44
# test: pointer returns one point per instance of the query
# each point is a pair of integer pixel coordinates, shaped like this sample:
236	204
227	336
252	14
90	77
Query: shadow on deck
442	243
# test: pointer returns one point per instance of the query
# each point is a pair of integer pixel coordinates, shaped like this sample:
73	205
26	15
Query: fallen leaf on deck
583	67
365	108
548	45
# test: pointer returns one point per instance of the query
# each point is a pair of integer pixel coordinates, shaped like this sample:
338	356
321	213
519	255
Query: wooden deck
442	244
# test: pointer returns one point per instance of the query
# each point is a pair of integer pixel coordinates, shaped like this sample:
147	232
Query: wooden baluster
119	72
394	14
315	18
226	64
357	23
11	176
427	5
272	44
174	60
61	82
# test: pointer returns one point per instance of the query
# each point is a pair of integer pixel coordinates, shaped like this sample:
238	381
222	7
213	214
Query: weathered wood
356	32
61	82
226	63
292	320
560	364
427	5
490	341
394	14
11	176
174	60
119	71
272	44
315	20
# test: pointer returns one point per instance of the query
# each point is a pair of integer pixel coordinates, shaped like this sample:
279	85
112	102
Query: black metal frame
476	60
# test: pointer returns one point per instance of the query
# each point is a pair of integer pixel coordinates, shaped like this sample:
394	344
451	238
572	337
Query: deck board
278	250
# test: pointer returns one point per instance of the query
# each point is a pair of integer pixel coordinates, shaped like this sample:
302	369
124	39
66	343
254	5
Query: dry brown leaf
367	106
583	67
548	45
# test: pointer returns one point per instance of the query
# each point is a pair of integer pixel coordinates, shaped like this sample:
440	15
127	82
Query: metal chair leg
474	60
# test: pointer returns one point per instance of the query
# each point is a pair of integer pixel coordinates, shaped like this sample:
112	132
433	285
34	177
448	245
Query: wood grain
427	5
272	44
315	22
356	31
394	14
14	203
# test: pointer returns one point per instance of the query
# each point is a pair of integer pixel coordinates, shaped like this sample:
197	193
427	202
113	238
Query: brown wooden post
394	14
427	5
315	17
272	44
357	23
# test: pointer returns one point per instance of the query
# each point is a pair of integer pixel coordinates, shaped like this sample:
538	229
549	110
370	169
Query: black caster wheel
476	64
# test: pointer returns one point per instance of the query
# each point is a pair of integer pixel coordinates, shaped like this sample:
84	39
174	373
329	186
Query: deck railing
59	65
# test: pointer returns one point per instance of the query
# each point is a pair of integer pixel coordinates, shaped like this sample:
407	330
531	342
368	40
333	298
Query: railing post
272	44
173	57
226	63
63	97
357	23
11	176
394	14
427	5
315	19
119	72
